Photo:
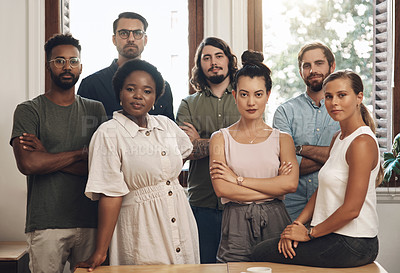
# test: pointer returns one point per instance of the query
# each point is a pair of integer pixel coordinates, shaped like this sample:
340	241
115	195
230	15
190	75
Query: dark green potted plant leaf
391	161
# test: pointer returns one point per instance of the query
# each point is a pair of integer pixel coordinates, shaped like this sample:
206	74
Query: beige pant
50	249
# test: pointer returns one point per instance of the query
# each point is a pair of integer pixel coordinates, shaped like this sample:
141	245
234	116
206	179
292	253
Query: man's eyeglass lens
60	62
137	33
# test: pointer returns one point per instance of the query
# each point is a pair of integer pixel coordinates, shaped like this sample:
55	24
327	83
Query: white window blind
382	75
65	18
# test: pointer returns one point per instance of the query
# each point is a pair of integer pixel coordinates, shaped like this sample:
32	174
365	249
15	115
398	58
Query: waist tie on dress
257	217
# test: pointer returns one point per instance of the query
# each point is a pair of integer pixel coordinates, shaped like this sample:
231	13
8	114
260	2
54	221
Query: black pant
332	250
209	227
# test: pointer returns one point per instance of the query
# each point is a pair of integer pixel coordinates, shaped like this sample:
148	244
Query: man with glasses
50	137
130	39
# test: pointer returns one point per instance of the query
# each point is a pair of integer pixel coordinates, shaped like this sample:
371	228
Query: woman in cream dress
135	160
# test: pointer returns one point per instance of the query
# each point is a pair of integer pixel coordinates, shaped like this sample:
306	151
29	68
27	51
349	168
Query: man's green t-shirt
57	200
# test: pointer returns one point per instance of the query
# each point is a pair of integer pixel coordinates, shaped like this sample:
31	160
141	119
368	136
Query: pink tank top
259	160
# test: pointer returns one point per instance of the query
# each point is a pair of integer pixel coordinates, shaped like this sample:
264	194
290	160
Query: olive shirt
56	200
207	113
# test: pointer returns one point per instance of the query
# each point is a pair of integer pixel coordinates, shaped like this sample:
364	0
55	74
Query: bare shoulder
216	137
285	137
363	142
363	149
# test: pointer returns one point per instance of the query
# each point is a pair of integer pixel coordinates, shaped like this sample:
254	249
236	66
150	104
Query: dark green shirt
208	114
57	200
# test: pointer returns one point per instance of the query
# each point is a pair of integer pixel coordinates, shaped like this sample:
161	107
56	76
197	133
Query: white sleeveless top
333	178
259	160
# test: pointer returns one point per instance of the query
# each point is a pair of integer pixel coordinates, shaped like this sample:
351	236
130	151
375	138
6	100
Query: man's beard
316	86
131	53
64	84
217	79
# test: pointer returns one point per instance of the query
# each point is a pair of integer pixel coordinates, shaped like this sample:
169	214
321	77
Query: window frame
53	22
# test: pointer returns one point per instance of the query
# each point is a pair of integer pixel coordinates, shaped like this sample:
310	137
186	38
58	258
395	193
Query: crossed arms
313	158
32	158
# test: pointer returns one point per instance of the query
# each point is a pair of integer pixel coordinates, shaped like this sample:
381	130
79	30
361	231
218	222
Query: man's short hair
130	15
198	79
314	45
60	39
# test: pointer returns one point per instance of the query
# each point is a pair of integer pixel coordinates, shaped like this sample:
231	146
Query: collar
207	91
114	64
312	102
132	128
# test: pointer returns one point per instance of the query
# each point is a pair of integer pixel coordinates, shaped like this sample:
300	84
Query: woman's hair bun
252	57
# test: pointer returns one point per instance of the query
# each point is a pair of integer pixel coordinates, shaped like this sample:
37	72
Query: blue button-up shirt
308	124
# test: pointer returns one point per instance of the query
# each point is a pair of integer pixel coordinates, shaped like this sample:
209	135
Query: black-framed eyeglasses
137	33
60	62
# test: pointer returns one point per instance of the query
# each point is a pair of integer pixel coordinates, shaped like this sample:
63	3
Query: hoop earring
153	107
120	103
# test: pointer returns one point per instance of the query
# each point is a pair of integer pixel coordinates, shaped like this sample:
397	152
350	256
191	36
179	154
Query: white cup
259	269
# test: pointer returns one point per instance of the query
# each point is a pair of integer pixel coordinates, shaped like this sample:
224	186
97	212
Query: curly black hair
133	65
60	39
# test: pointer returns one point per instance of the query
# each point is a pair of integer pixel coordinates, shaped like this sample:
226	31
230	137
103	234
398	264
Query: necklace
251	141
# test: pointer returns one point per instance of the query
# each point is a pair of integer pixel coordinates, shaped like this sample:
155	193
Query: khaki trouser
50	249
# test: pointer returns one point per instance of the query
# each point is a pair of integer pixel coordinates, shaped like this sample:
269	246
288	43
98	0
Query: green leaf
388	155
396	145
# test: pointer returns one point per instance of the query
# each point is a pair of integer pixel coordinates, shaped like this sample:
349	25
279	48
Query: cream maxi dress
156	224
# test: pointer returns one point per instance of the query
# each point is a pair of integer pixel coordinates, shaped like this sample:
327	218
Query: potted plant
391	163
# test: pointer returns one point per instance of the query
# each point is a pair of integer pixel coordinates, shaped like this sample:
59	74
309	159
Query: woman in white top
342	211
245	161
134	163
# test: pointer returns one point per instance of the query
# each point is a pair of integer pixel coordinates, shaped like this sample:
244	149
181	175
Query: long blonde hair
357	86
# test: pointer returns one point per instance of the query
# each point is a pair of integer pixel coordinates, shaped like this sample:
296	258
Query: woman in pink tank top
252	167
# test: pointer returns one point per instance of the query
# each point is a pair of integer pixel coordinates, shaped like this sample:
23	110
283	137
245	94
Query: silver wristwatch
299	148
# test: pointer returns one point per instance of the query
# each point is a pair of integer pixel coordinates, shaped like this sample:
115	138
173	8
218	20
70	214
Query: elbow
353	214
218	193
27	168
292	186
292	189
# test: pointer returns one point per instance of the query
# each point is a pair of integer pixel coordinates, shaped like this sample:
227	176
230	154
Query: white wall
227	20
389	236
22	77
19	29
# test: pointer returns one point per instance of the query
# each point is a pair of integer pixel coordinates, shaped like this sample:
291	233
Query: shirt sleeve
101	113
26	120
185	146
183	114
281	122
105	174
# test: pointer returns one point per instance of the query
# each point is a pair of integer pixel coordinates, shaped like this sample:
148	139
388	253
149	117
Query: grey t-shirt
57	200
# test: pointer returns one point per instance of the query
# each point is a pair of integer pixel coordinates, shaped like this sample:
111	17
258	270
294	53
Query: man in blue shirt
129	39
306	119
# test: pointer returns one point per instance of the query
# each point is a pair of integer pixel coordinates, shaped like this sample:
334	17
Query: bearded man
50	137
211	108
305	118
